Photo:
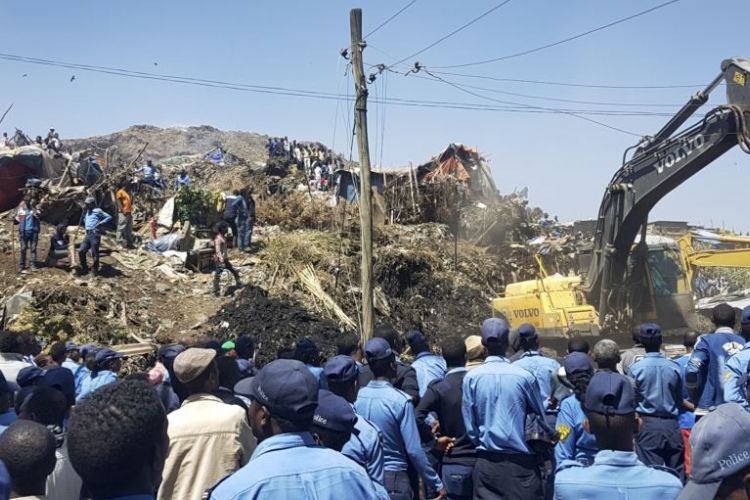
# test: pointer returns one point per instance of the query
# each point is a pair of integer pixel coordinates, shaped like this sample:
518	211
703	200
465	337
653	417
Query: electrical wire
394	16
560	42
452	33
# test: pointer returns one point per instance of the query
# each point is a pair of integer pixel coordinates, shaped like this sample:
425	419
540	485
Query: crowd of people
317	161
492	416
50	143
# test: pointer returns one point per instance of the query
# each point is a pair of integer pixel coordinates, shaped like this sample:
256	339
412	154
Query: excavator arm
659	165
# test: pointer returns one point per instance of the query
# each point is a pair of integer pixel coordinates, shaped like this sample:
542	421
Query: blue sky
564	161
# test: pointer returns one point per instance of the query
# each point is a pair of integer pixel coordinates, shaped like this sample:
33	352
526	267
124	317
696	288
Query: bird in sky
24	75
72	78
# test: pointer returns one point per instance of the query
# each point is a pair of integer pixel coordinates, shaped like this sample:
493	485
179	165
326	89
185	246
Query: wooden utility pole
365	198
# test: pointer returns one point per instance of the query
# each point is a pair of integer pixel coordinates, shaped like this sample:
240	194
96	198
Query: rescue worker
182	180
365	446
616	472
497	397
149	174
658	384
124	216
287	462
721	456
27	218
735	373
392	411
428	366
93	219
443	398
575	442
686	418
705	368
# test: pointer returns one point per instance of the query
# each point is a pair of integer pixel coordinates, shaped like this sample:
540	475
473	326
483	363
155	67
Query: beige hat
474	347
191	363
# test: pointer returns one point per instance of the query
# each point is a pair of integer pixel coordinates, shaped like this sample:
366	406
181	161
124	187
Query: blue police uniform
290	465
366	448
705	368
659	386
392	412
92	381
542	368
614	475
93	218
575	443
735	377
686	417
429	368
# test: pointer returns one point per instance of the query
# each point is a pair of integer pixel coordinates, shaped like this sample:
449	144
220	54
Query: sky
564	161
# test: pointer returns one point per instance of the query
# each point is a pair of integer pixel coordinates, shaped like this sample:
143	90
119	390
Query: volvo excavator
633	277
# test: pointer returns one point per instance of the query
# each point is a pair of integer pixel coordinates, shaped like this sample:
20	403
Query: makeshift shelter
347	183
463	164
218	156
20	164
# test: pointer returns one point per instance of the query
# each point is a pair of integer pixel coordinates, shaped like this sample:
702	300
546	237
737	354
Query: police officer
616	472
287	462
575	442
428	366
392	411
93	219
406	376
543	368
443	398
705	369
497	397
658	384
366	446
735	373
721	455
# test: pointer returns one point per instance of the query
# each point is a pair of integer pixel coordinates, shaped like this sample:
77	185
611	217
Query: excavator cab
737	77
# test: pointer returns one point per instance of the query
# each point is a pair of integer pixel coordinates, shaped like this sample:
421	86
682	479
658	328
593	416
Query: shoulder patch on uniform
664	469
564	432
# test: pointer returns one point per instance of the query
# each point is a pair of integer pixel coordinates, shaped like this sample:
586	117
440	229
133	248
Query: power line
560	42
577	115
445	37
394	16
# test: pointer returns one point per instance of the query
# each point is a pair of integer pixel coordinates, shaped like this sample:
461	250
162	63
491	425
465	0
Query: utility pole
365	197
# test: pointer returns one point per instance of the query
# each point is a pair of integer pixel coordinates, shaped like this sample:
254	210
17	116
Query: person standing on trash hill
27	218
182	180
93	219
125	216
221	258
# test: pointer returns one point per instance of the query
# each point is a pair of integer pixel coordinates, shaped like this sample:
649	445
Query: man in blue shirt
497	397
542	367
27	218
735	373
658	384
93	219
182	180
308	353
705	368
429	367
366	446
287	462
392	411
616	472
117	441
72	357
406	376
575	442
104	371
721	456
686	418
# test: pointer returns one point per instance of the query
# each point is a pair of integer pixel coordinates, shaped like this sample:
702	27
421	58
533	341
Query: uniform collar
496	359
283	442
458	369
422	355
654	355
616	458
379	384
530	354
724	329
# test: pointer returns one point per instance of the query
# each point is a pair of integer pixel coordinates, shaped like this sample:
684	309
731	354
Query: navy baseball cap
334	413
377	349
106	354
244	387
29	376
170	351
577	362
745	316
649	332
415	337
87	348
720	450
610	393
287	388
71	346
527	331
61	379
341	368
494	330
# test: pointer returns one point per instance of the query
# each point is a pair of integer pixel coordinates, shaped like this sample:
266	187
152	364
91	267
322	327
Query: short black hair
497	348
724	315
454	351
380	367
390	335
229	371
45	405
58	352
347	343
114	432
690	338
578	344
286	352
28	451
9	341
245	346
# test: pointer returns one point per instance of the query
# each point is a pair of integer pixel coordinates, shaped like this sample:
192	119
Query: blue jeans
242	240
397	485
457	481
90	242
28	241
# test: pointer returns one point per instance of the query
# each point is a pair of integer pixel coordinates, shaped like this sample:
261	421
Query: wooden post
363	145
